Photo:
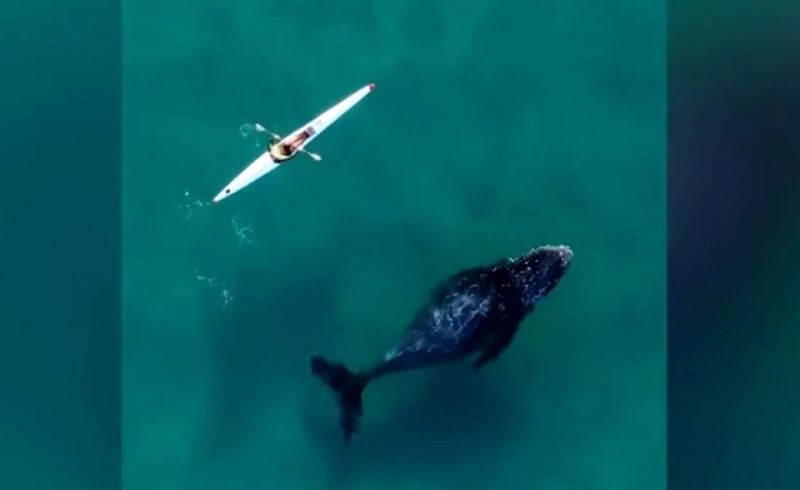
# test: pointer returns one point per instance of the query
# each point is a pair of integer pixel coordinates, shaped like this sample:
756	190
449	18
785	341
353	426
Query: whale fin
348	387
495	347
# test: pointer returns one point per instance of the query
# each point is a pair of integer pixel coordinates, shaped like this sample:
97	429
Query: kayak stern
260	167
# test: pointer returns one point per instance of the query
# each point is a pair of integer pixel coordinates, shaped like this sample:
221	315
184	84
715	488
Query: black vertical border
733	264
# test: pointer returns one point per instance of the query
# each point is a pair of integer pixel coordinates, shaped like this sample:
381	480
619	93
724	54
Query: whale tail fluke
348	387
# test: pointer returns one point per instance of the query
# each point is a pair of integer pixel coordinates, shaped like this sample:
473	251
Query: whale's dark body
476	311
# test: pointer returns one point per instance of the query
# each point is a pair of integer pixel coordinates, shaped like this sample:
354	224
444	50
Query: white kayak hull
264	164
259	168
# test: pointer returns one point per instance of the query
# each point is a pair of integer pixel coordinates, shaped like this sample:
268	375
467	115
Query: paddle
262	129
313	156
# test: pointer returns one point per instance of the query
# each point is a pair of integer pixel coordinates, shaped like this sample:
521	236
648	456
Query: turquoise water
496	126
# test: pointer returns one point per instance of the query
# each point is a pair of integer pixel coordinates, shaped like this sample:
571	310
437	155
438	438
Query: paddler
297	141
279	151
284	151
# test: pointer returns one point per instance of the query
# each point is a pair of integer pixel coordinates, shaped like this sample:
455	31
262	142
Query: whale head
535	273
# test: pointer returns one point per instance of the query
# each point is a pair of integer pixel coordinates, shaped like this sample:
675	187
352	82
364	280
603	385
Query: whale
473	313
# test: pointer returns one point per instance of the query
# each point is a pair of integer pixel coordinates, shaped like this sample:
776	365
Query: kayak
265	163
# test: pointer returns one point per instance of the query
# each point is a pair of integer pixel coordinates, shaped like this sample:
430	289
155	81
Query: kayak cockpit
288	148
280	152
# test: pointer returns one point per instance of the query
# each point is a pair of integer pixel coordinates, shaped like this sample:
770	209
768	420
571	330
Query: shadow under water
458	417
261	345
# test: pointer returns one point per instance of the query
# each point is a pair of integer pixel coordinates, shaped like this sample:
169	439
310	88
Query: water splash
247	130
191	204
227	298
243	232
225	295
256	132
